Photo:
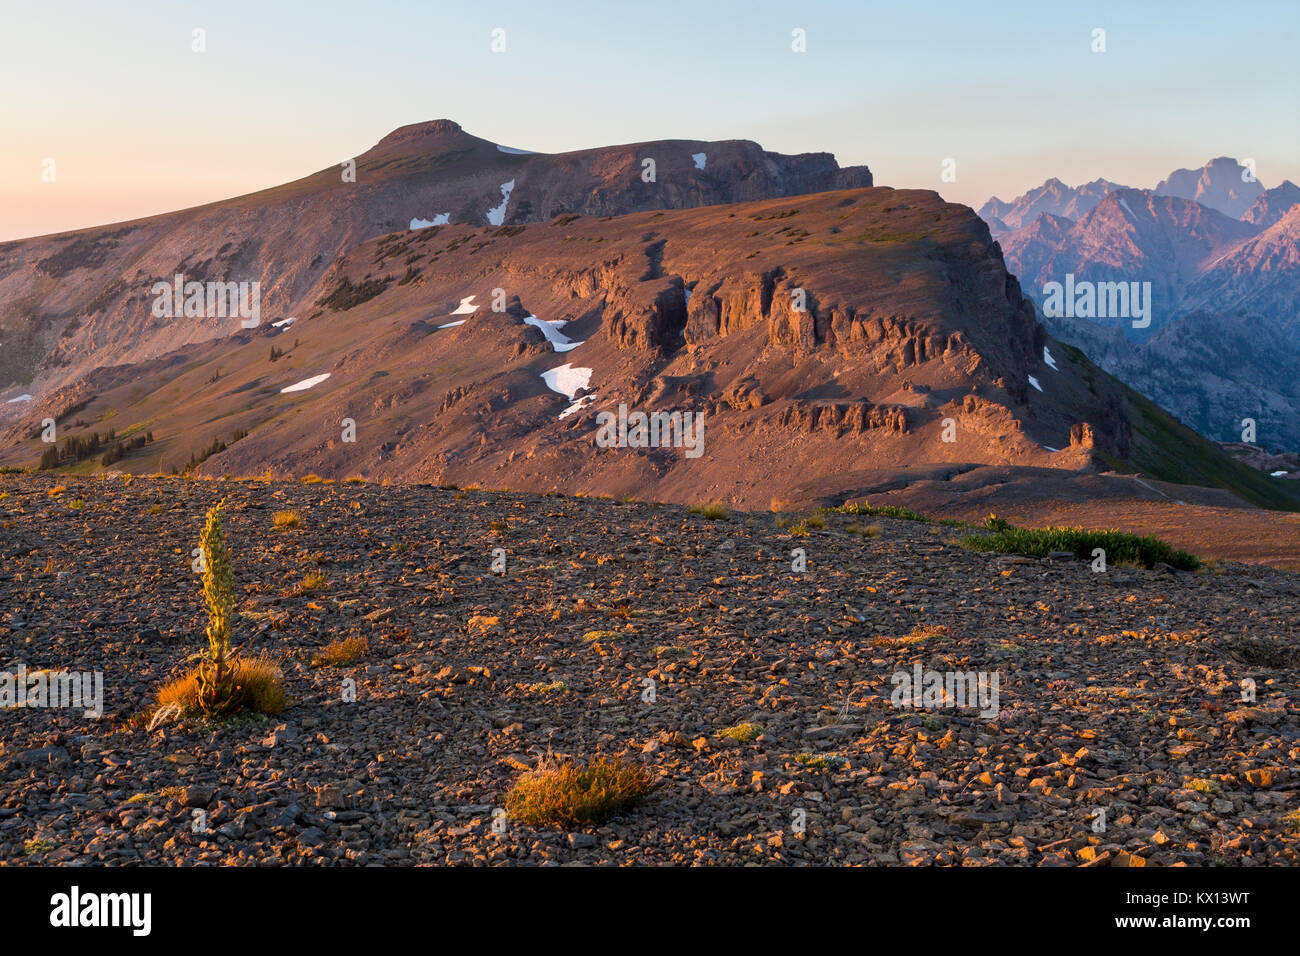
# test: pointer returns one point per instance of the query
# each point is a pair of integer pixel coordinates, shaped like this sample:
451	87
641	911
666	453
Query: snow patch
567	380
1127	209
305	384
465	308
28	398
578	406
1275	474
700	159
1047	357
284	323
1034	382
551	329
1049	448
497	214
442	219
516	152
452	325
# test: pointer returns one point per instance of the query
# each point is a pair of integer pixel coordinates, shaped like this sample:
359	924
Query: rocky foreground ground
1120	691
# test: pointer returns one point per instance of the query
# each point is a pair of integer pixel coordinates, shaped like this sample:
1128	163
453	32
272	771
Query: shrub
568	795
287	519
76	504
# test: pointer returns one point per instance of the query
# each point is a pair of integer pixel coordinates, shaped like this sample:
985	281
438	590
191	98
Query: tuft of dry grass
342	652
354	480
311	582
255	685
870	531
568	795
58	490
920	633
287	519
714	511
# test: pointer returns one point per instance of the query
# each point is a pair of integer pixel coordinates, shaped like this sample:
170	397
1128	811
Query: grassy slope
1166	449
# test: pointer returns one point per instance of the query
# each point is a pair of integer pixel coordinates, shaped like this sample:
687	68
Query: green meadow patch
1121	547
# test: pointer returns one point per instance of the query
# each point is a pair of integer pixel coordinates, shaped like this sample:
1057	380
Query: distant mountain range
1220	255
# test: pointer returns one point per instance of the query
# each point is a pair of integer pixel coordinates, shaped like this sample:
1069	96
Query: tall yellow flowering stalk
217	672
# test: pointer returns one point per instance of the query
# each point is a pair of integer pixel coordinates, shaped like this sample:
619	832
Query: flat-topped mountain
834	344
80	300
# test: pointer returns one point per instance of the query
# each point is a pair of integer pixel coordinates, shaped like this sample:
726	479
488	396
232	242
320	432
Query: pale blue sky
137	123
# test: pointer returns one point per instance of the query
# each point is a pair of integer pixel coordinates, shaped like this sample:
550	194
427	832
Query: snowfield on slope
497	214
551	329
442	219
305	384
567	379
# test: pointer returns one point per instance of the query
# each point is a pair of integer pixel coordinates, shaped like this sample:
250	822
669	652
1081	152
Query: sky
107	112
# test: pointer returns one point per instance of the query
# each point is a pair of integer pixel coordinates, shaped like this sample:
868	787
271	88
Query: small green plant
822	761
555	687
1204	785
994	523
569	795
744	732
601	636
76	504
36	846
223	684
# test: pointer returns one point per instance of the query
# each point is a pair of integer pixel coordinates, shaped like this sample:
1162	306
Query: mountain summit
1222	184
